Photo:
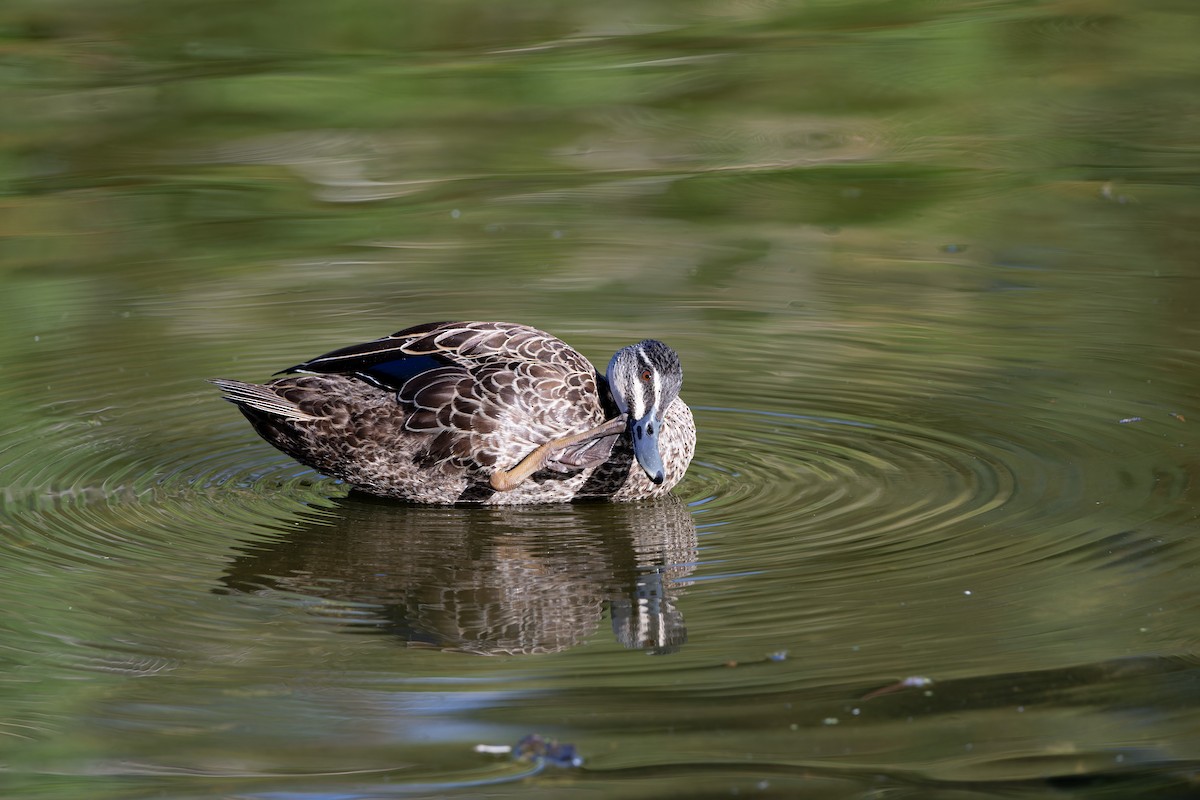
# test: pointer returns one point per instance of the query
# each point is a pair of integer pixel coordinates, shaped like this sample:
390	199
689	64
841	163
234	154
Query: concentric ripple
107	514
829	484
853	480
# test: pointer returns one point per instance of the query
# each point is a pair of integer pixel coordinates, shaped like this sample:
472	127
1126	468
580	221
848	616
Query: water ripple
848	479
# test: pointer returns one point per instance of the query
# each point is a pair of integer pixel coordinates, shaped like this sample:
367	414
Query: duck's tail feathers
255	397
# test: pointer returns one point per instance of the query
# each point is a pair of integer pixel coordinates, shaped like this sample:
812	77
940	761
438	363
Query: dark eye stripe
645	359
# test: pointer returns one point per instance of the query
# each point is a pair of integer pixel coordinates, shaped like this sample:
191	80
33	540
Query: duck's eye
646	375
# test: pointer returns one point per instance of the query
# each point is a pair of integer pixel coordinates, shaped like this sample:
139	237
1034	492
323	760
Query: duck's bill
645	446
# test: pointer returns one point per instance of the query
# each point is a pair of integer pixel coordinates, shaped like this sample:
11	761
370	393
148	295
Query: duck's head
644	379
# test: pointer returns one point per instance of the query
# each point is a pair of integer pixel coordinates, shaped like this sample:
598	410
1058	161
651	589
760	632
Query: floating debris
777	656
911	682
1178	416
535	749
1128	420
494	749
916	682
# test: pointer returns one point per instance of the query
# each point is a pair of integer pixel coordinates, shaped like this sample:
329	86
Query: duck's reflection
490	580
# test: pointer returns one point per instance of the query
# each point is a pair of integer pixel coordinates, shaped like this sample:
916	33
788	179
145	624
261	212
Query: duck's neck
607	402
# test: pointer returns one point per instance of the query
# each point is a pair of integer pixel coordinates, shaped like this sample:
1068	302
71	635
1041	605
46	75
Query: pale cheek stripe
638	406
640	410
657	391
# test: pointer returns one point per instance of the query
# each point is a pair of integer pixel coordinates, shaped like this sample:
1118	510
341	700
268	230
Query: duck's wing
487	393
470	344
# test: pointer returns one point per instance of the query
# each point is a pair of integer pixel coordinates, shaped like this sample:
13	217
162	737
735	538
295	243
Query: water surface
931	271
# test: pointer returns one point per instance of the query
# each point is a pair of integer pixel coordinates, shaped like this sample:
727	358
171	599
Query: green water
932	271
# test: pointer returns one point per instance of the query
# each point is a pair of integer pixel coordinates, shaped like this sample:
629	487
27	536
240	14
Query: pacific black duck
482	412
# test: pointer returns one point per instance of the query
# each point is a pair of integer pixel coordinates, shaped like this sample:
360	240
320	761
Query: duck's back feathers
469	344
483	391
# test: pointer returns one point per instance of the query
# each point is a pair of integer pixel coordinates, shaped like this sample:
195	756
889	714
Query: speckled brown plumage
430	413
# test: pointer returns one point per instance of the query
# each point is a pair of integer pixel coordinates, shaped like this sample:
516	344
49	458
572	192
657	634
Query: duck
493	413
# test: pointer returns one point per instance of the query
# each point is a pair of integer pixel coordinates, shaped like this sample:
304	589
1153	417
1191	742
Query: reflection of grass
831	195
235	176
